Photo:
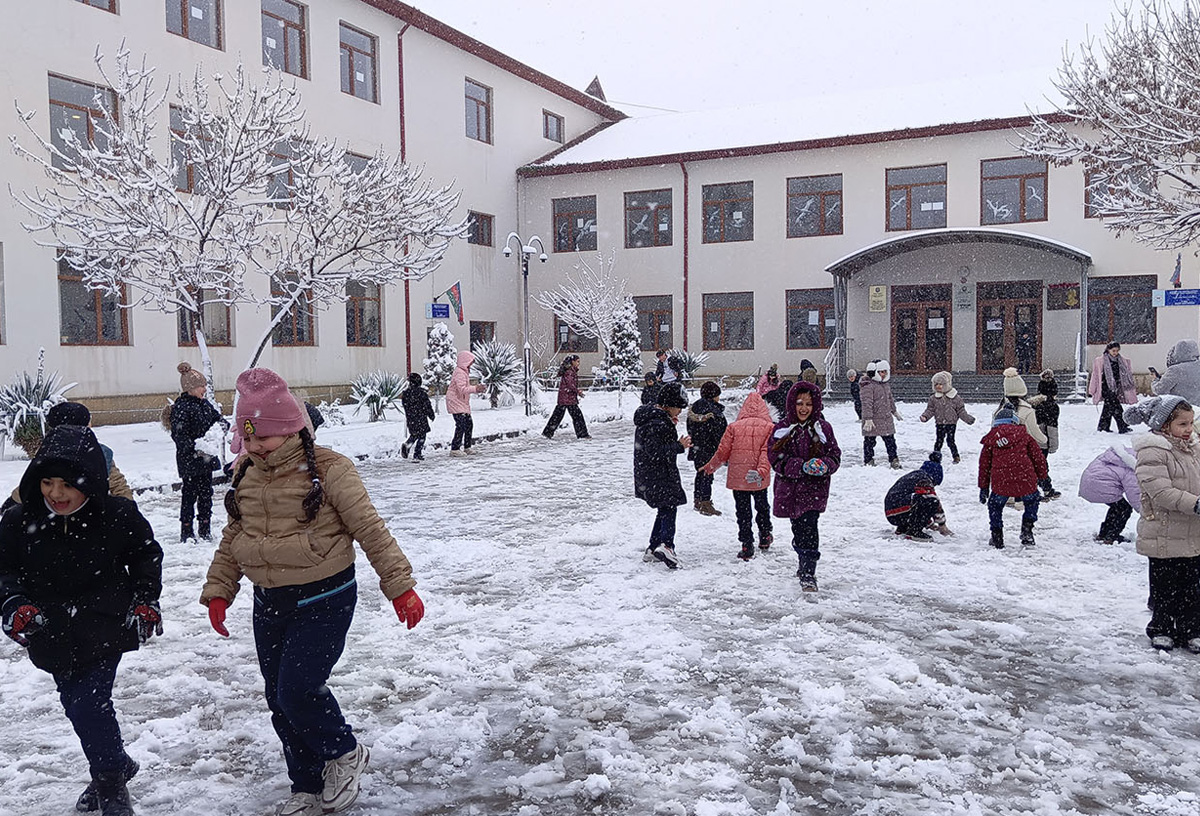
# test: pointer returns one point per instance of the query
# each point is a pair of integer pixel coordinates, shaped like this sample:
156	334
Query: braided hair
312	501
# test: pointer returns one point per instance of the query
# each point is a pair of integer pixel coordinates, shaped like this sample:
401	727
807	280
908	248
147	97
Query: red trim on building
686	221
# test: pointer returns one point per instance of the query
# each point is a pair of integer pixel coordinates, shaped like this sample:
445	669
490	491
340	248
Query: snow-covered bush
24	403
331	412
622	363
440	359
378	391
498	368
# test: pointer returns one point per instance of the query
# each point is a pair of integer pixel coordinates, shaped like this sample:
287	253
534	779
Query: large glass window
567	339
364	314
1121	309
648	219
729	321
1012	190
481	226
482	331
77	107
198	20
358	63
552	126
814	206
107	5
574	224
916	197
478	102
296	329
654	322
216	323
728	212
810	320
285	36
89	317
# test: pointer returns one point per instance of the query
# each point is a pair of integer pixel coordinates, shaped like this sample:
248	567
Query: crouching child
1111	479
912	505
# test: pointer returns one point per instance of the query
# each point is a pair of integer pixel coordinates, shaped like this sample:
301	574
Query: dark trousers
1175	592
299	632
702	488
945	433
742	500
418	444
996	504
889	442
86	696
1112	410
917	517
806	541
1114	521
576	419
196	497
663	531
463	427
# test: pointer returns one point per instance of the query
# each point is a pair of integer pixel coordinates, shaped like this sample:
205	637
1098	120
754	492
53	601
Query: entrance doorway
921	329
1009	329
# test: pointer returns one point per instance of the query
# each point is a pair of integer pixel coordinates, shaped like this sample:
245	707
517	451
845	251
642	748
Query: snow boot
89	800
747	551
997	538
204	529
705	508
1027	533
917	535
112	793
957	459
807	570
896	464
765	540
404	450
186	533
1164	643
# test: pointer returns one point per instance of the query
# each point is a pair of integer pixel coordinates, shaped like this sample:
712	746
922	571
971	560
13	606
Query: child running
418	413
1009	467
655	474
946	408
744	447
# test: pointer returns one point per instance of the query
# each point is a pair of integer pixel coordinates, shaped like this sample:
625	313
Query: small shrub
25	401
691	362
498	368
378	391
332	412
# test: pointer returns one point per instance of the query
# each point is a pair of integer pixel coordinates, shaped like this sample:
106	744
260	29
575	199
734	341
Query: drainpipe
404	158
686	221
1081	372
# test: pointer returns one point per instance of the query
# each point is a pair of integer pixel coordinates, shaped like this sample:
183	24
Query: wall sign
1061	296
877	299
437	311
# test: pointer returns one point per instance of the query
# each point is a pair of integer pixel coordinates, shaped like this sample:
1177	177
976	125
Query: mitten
983	495
146	618
216	615
868	425
815	467
1196	509
22	619
753	477
409	608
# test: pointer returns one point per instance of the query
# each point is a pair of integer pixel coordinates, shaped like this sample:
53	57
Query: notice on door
937	322
877	299
994	325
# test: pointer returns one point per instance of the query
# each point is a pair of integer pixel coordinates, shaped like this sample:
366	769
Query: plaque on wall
877	299
1061	296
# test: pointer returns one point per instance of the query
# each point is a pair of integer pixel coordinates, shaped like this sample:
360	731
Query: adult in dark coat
706	424
568	399
650	389
80	578
912	505
655	474
418	413
189	419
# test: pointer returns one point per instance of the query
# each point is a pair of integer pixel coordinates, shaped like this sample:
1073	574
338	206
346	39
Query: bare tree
1132	119
590	300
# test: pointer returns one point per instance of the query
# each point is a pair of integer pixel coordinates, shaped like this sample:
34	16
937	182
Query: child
655	474
744	447
1168	474
803	453
1010	465
777	399
458	403
1110	479
650	389
295	511
1045	412
946	408
705	425
418	413
189	419
912	504
770	381
568	399
855	391
80	578
878	411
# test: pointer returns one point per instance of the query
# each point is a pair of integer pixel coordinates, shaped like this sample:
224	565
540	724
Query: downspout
404	159
686	221
1081	361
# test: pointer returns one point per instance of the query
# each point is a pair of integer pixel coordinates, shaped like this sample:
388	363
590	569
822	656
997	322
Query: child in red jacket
744	447
1010	465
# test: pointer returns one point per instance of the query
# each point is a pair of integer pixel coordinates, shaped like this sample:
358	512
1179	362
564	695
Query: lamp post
527	251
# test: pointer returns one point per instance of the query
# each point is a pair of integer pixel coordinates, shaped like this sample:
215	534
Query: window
729	321
654	322
216	323
728	212
356	162
575	224
810	318
1134	185
648	219
185	172
1120	310
88	317
364	314
552	126
916	197
77	107
107	5
482	331
296	329
1012	190
814	206
358	64
480	228
285	36
479	111
197	20
279	186
567	339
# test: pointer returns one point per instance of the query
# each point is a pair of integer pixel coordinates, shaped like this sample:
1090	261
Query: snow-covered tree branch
590	300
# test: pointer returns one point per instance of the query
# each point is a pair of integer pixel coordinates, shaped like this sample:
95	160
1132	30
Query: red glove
145	619
22	619
216	615
409	608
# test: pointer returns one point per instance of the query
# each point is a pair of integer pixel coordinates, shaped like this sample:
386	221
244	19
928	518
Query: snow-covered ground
557	673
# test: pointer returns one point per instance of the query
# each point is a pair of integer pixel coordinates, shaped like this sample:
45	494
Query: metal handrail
832	364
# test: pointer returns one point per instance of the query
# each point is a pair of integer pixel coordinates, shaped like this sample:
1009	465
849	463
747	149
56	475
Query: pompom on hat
1014	386
933	466
265	405
189	377
1155	411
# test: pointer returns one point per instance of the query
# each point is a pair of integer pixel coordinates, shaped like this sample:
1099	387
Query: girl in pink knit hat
295	511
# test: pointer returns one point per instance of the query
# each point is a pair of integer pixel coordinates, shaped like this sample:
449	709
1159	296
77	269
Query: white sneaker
341	777
458	453
1164	643
666	554
301	804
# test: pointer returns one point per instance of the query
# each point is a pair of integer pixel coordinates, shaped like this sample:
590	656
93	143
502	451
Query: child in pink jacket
744	447
458	403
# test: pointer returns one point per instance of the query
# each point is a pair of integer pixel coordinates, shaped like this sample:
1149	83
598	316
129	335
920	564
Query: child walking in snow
458	403
855	392
705	425
418	413
1111	479
1168	474
1009	467
1045	412
804	453
744	447
295	511
189	419
912	505
878	412
80	578
946	408
568	399
655	475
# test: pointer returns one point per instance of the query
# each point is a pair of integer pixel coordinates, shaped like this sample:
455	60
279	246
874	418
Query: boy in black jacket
418	413
1045	411
912	505
706	424
80	578
189	419
655	474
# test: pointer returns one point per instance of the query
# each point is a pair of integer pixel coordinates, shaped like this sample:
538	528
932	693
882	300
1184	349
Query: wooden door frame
922	324
1010	336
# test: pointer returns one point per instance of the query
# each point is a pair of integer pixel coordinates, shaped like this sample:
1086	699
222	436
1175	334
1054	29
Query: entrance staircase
973	387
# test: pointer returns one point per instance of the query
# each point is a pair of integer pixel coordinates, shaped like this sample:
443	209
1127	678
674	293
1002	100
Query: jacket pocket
294	550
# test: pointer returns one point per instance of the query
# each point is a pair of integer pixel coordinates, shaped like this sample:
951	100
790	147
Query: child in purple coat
803	453
1111	479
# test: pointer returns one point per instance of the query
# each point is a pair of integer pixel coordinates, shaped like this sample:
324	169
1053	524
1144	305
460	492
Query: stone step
972	386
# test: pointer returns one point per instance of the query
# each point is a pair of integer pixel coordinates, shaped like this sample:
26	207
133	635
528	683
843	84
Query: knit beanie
189	377
933	466
265	405
1153	411
1047	374
414	380
851	374
68	413
942	378
671	396
1005	416
1014	386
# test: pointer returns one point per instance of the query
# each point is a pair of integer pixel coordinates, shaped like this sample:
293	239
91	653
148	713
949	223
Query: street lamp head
542	257
507	252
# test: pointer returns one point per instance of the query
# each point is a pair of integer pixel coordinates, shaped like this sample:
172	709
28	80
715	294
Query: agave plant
691	362
25	402
378	391
498	368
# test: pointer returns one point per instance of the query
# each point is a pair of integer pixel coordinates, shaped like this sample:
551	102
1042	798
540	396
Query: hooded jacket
458	393
878	406
791	445
655	446
910	487
1168	474
190	419
1011	461
84	571
1110	477
1182	377
743	447
705	425
418	409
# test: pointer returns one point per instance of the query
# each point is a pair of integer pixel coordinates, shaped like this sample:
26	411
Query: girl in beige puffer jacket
1168	474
